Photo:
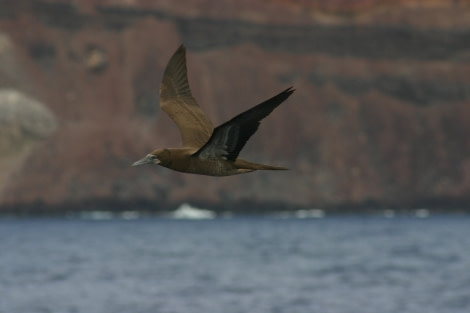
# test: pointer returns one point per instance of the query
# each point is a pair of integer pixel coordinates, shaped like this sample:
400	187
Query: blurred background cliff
380	118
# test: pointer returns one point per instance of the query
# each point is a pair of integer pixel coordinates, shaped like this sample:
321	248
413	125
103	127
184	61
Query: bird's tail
271	167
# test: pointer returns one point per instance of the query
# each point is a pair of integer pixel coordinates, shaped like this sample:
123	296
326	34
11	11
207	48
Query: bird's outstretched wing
177	101
228	139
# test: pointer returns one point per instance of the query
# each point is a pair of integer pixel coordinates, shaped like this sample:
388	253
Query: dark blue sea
236	265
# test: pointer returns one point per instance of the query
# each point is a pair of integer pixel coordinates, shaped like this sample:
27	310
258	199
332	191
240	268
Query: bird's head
155	157
148	159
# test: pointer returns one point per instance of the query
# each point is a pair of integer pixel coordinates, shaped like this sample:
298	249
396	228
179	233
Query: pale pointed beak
148	159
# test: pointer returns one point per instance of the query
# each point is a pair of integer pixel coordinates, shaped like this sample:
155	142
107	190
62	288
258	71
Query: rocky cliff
381	115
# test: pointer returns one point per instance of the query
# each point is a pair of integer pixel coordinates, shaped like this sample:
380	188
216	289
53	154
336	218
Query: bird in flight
206	150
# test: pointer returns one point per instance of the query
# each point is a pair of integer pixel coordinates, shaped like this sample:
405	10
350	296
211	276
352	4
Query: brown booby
206	150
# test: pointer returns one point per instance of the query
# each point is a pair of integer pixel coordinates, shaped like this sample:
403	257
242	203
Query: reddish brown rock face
381	113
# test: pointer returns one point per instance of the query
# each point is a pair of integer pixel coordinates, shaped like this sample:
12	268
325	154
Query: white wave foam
186	211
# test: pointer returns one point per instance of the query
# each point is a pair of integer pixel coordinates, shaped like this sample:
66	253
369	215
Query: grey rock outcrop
22	120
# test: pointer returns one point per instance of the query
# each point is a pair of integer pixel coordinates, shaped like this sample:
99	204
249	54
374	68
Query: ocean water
242	264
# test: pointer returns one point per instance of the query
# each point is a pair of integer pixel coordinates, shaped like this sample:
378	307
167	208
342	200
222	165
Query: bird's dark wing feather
228	139
177	101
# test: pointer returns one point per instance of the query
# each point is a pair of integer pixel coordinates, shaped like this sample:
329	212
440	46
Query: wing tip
180	51
289	90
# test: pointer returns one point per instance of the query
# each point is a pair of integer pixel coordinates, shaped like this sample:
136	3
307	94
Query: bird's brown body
182	160
206	150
